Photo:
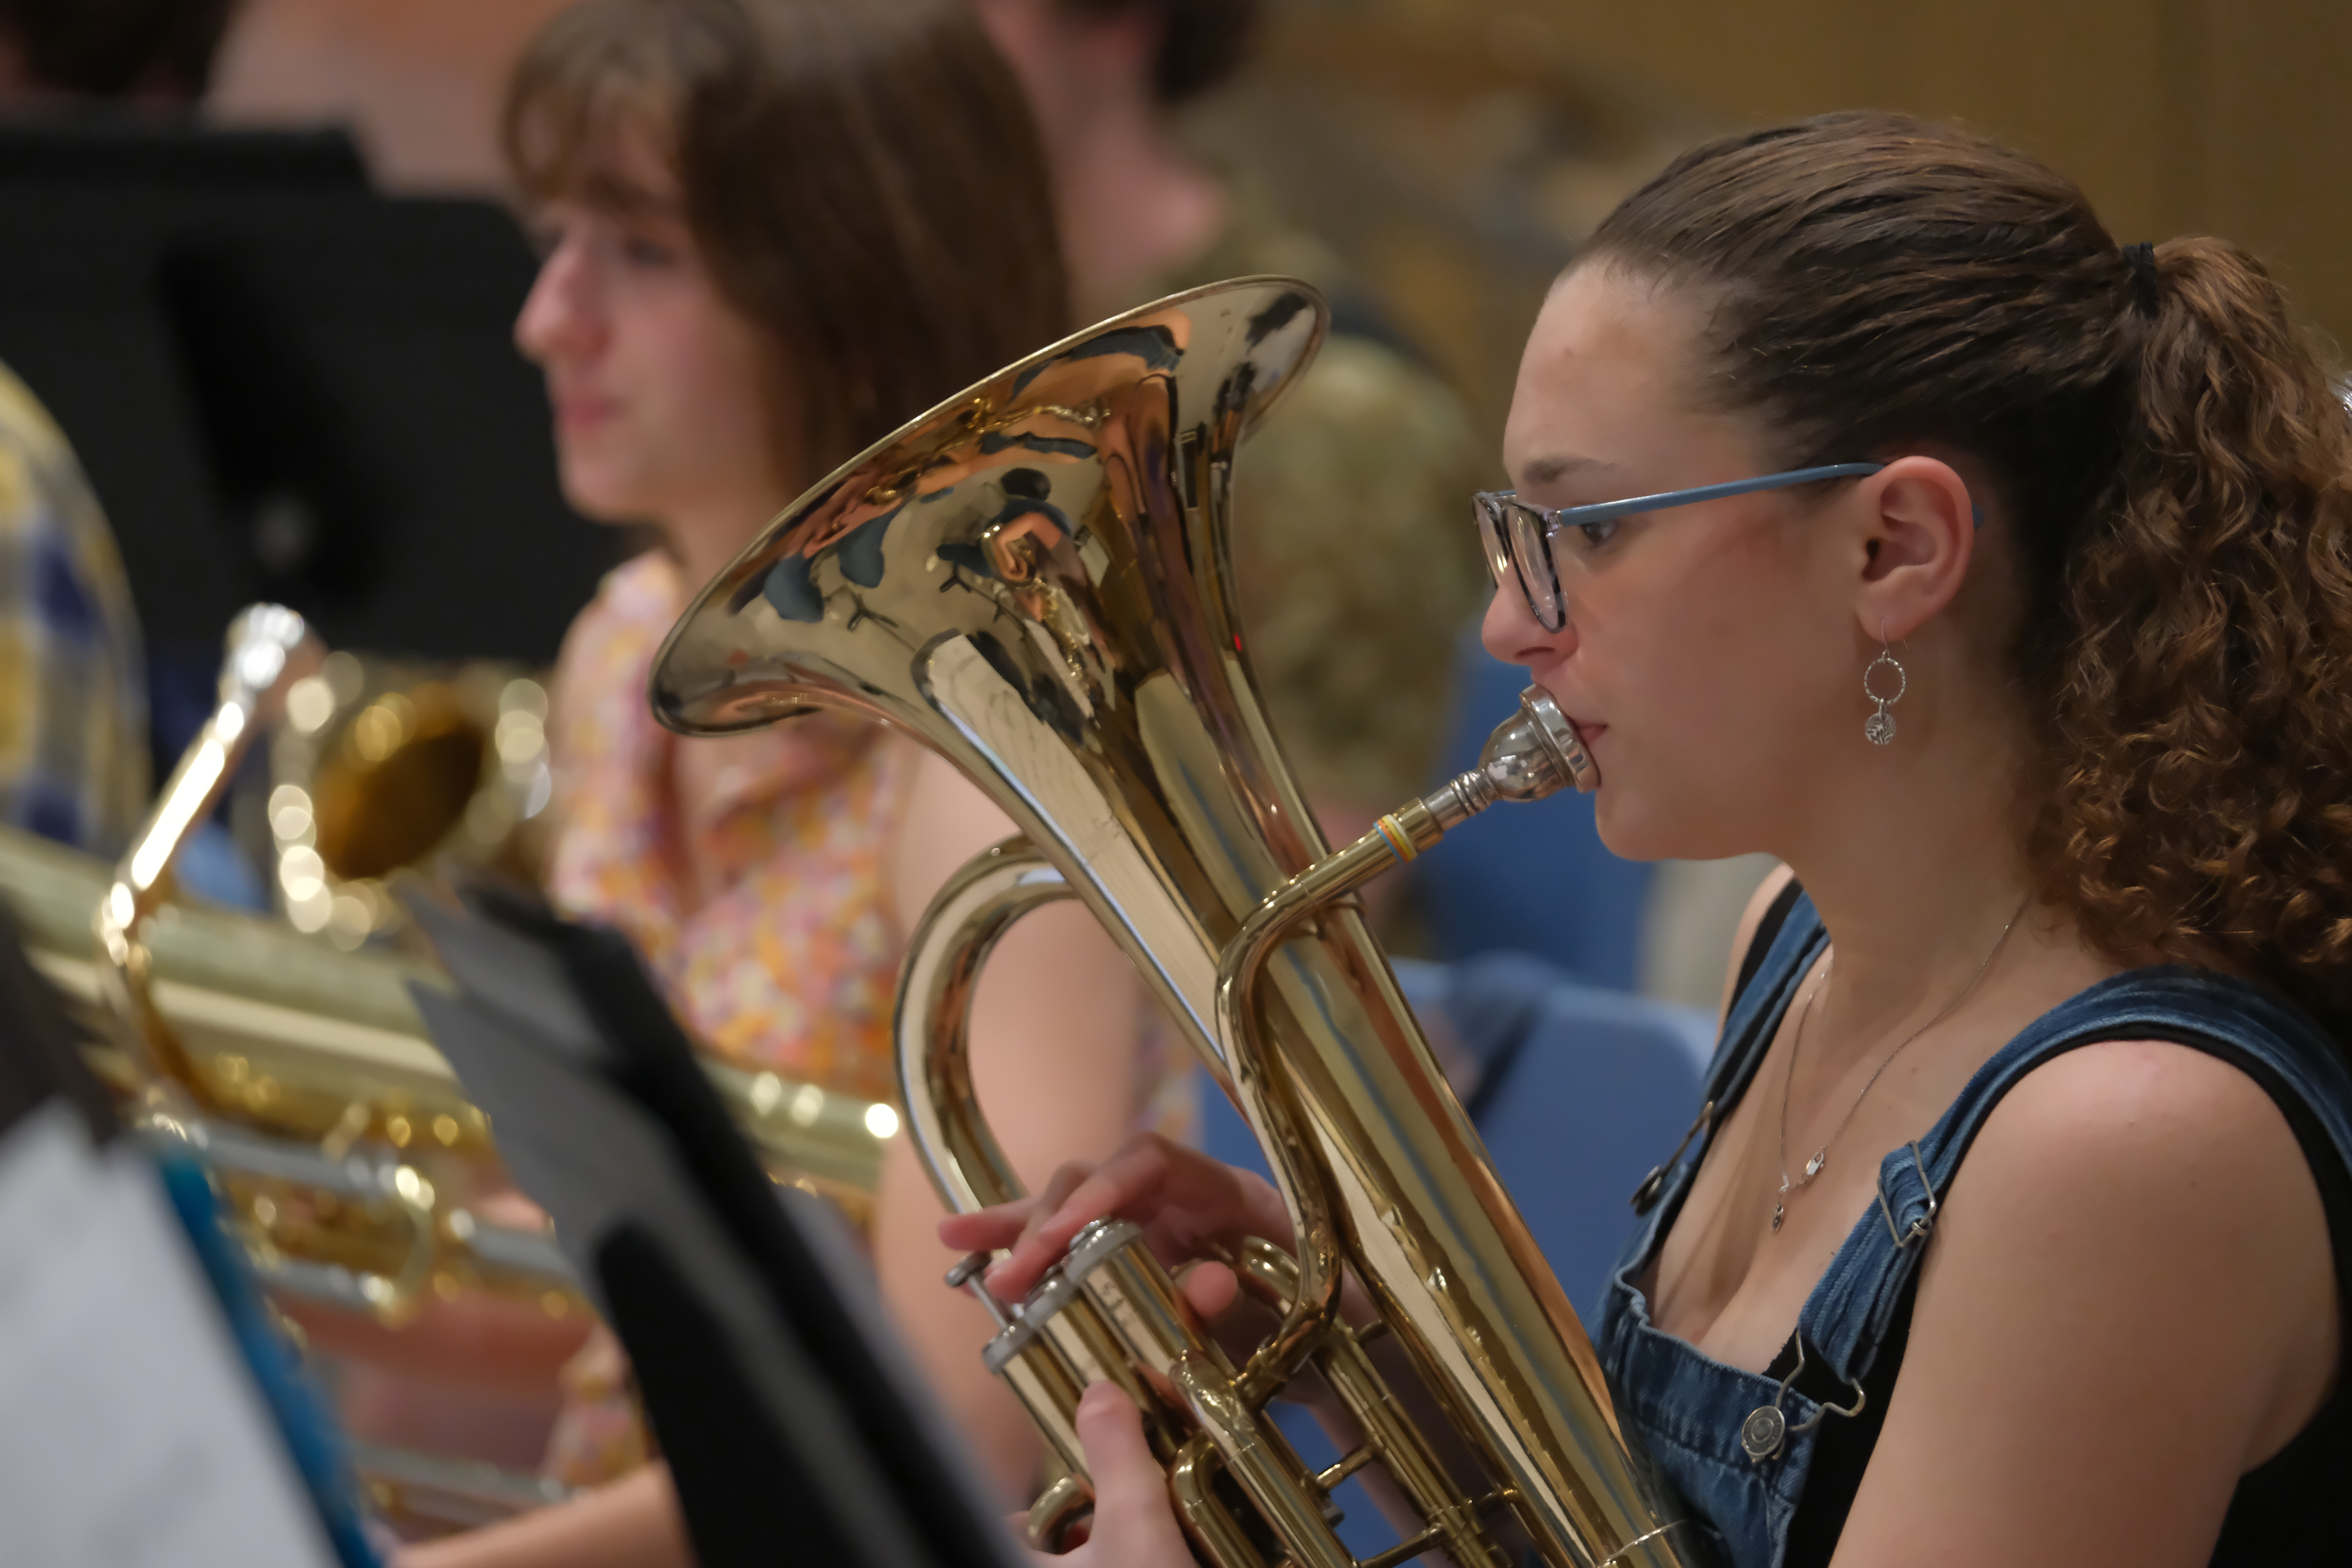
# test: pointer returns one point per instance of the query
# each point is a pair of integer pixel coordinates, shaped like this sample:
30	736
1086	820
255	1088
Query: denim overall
1689	1409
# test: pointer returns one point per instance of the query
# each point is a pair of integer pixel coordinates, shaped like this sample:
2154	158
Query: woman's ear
1919	526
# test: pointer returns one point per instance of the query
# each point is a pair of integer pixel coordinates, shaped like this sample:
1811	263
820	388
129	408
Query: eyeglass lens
1531	554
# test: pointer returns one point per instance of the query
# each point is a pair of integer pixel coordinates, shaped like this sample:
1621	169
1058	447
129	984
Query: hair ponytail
2175	466
2202	726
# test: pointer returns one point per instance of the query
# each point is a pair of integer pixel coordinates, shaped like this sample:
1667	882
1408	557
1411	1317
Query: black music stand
788	1413
107	142
295	388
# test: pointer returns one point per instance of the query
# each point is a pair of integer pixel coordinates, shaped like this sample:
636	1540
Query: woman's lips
582	413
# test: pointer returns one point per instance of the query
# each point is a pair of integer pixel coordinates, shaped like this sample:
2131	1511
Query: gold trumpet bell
1034	581
382	765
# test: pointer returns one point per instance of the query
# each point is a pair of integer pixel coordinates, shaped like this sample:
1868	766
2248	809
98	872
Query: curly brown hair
2174	460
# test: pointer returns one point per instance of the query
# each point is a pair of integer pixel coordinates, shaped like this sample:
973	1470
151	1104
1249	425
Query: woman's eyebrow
617	196
1553	469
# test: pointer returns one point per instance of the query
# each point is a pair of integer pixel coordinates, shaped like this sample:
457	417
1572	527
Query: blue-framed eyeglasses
1517	535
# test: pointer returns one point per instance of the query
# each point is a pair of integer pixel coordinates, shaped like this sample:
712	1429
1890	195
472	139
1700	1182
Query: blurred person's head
1104	79
1165	53
158	51
775	231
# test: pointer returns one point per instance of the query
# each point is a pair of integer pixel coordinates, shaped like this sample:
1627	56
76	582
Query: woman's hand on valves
1133	1524
1190	1209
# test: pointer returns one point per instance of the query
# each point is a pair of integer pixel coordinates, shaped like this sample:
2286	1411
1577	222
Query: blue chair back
1527	877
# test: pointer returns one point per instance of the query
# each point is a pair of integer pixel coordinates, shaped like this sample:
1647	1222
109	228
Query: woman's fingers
1212	1288
1067	1179
1003	1224
1129	1184
1188	1205
1134	1524
986	1229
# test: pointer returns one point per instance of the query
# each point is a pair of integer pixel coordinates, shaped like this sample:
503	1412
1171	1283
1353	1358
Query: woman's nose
1511	633
558	319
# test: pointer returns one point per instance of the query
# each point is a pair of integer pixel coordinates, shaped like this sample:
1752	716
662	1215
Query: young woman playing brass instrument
774	230
1877	508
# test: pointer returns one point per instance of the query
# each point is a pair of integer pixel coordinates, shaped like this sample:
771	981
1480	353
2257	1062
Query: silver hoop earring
1879	727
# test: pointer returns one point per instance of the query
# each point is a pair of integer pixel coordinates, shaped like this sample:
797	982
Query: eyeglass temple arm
1569	516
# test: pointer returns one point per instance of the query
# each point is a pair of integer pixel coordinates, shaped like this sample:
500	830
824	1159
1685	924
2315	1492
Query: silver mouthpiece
1533	753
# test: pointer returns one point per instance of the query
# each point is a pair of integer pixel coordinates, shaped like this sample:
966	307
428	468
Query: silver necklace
1814	1167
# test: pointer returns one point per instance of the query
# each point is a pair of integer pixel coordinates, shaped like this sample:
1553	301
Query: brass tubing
1387	1435
1332	1476
944	958
1042	1380
1404	1551
1062	1504
1261	1463
1215	1532
1405	1455
1527	759
1263	1099
1068	1344
1142	1307
263	645
1138	1300
1092	1347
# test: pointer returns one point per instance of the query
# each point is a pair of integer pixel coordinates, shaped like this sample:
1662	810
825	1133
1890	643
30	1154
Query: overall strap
1787	940
1759	942
2281	1049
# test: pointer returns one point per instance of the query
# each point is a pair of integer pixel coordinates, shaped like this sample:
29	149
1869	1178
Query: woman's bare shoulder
2146	1116
2156	1189
2131	1277
2151	1154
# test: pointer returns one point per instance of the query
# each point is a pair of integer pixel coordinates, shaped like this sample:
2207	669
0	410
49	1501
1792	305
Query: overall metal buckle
1926	1223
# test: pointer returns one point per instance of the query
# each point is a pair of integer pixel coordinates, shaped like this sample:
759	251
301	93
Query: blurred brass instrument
382	765
1034	581
304	1079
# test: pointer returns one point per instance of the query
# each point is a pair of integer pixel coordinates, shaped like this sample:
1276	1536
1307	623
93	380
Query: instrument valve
970	1275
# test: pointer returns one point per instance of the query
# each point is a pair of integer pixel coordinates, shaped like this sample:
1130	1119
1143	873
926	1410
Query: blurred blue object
314	1440
211	866
1527	877
1577	1091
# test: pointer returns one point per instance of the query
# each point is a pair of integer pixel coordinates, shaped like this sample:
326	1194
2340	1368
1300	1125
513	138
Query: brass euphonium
1034	581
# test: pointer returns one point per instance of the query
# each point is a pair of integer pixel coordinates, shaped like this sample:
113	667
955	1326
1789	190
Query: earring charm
1879	727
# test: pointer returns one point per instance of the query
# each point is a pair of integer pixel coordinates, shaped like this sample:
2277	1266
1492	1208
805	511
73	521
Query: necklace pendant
1813	1166
1780	1213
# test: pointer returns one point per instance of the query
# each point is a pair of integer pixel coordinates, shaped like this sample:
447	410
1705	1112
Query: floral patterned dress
791	964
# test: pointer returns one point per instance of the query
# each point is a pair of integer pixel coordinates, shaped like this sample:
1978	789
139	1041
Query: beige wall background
1453	150
2178	116
417	80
